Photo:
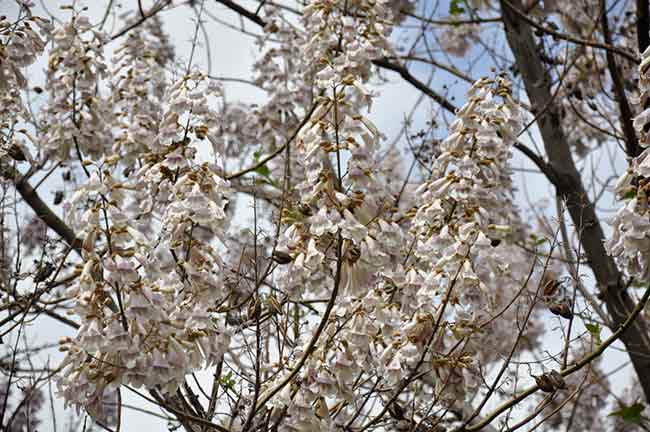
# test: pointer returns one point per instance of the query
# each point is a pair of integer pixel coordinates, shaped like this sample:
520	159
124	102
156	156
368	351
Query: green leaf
455	7
227	381
540	241
594	330
263	170
629	414
630	194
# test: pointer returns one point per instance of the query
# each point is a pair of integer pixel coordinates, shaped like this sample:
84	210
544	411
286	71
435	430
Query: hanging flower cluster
467	229
385	310
20	45
138	86
145	303
337	196
630	241
341	225
79	119
151	273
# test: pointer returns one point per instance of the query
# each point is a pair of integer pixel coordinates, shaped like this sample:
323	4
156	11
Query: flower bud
281	257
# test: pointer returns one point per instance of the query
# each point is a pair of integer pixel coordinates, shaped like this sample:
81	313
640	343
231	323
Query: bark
642	24
569	186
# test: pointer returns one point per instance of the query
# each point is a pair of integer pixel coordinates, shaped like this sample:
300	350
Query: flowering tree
286	266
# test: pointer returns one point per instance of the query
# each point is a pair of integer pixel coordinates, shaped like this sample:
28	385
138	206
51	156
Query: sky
232	55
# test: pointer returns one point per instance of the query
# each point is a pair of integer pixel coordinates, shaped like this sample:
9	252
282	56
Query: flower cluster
20	45
630	242
466	229
385	311
151	273
341	225
138	86
338	129
457	40
78	118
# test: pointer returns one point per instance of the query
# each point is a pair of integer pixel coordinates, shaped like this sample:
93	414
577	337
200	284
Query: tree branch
40	208
643	24
251	16
632	147
404	73
514	8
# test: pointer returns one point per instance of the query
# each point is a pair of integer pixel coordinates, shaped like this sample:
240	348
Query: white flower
325	221
351	228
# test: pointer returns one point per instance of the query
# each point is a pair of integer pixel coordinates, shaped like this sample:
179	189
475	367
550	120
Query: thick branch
251	16
40	208
518	11
632	147
569	186
643	24
404	73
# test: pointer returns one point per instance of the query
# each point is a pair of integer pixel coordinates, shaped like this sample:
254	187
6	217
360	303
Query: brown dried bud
544	382
305	209
16	153
201	131
281	257
166	172
353	254
254	308
550	284
321	411
272	27
58	197
396	411
557	380
562	309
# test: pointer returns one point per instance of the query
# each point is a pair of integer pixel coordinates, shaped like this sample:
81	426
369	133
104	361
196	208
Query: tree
284	265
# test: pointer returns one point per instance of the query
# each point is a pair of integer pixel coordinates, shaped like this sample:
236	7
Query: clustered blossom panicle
343	48
466	228
341	195
459	39
138	86
630	241
20	45
579	91
151	271
78	117
582	105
